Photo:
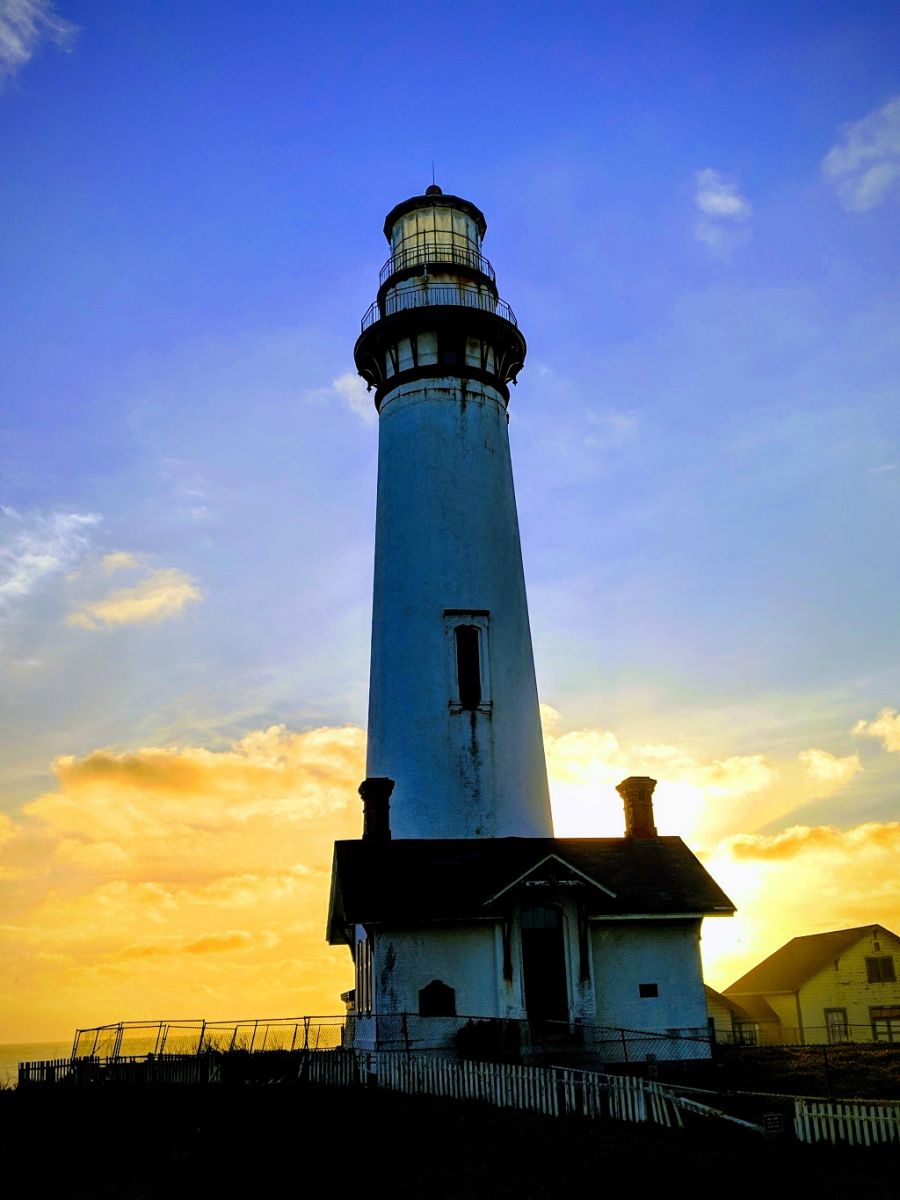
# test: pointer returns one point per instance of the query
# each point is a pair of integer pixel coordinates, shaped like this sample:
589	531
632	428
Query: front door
544	964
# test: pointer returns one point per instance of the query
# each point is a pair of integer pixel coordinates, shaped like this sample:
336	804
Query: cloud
799	839
722	211
162	595
217	943
196	878
828	768
885	726
119	560
805	879
38	545
695	798
138	863
24	25
349	389
864	163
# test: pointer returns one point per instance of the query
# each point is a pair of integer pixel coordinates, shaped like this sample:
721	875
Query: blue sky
693	209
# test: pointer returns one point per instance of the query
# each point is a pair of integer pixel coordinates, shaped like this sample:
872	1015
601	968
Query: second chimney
637	794
376	798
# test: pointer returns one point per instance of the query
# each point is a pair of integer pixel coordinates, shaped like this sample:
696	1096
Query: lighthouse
453	705
457	903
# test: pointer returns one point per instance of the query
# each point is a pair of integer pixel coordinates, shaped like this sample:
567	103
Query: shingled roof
419	881
802	957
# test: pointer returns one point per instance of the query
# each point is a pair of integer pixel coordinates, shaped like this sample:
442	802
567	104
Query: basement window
881	970
647	991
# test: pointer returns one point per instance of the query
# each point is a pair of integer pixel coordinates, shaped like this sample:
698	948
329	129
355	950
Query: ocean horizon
12	1053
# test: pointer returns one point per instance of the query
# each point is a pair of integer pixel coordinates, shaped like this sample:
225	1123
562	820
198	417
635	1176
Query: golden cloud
829	768
886	726
800	838
161	595
119	560
806	879
184	879
131	871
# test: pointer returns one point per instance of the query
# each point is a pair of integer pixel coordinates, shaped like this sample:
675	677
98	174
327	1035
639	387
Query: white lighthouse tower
453	707
457	903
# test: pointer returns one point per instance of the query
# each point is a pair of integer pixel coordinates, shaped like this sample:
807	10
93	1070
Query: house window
437	1000
746	1033
881	970
836	1025
885	1023
648	991
363	997
467	652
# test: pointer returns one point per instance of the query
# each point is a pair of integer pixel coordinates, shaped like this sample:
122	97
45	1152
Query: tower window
467	643
468	666
647	991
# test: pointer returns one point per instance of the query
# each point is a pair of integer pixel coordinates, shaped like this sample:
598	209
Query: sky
692	208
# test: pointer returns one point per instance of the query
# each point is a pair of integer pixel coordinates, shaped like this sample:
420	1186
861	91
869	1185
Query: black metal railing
439	293
424	249
469	1036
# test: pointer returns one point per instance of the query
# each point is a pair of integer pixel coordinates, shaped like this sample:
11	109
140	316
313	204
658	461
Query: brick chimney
637	794
376	798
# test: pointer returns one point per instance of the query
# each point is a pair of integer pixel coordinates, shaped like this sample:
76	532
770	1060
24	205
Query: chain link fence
473	1038
140	1039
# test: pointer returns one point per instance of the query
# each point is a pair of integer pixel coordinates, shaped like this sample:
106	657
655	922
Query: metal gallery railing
423	249
423	296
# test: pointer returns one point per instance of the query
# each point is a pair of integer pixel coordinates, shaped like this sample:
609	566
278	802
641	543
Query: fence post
405	1029
202	1033
624	1044
253	1036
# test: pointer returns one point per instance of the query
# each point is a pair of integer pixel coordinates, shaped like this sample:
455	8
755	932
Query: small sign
773	1122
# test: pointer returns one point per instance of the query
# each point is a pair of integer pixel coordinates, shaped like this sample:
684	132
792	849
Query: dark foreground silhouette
289	1140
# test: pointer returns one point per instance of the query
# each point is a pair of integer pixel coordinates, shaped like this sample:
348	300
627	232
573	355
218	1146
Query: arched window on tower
468	667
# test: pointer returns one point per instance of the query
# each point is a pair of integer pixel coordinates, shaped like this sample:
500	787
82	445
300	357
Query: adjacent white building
458	901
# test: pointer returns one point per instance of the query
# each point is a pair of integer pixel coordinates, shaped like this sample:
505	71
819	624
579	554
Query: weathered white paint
628	954
447	542
469	958
461	956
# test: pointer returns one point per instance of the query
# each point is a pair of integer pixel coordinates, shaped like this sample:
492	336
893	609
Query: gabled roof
714	997
419	881
802	957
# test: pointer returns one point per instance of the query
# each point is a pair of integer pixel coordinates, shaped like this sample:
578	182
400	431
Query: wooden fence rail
554	1091
854	1122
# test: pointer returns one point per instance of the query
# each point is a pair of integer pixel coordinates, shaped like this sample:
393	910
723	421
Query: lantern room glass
436	233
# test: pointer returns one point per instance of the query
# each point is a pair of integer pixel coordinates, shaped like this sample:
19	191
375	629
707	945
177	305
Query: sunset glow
694	214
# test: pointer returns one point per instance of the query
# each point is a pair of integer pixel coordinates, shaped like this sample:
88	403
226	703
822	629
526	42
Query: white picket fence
854	1122
555	1091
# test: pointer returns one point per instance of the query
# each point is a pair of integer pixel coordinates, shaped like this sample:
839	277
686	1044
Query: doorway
544	964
